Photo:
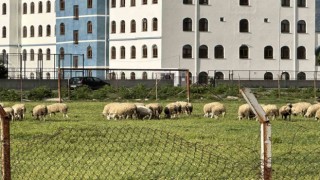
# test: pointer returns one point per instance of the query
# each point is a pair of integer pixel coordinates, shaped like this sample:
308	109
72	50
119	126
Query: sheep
311	111
58	107
40	112
300	108
171	110
139	104
285	111
214	109
271	110
19	111
244	111
144	112
122	110
2	104
9	112
186	107
156	109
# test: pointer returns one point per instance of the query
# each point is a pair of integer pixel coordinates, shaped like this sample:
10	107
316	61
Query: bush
9	95
40	93
81	93
107	92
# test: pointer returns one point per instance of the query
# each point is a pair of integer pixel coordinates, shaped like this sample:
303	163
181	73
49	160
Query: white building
230	39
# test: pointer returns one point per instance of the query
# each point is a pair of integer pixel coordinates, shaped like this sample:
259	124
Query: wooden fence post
5	139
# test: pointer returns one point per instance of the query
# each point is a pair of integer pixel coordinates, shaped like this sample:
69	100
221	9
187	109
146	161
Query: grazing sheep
185	107
271	110
122	111
9	112
156	109
171	110
317	115
40	112
214	109
285	111
144	112
139	104
58	107
311	111
19	111
300	108
244	111
106	109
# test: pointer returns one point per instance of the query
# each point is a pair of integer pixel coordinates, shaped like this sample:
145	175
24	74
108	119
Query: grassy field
87	146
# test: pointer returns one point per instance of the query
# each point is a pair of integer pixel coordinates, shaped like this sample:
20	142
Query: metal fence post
5	139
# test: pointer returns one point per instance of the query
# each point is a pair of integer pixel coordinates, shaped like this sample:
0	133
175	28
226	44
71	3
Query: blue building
82	35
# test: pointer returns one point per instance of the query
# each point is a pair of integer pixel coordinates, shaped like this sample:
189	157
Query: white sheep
271	110
300	108
214	109
106	109
244	111
171	110
311	111
285	111
144	112
317	115
9	112
156	109
19	111
186	107
122	111
40	111
58	107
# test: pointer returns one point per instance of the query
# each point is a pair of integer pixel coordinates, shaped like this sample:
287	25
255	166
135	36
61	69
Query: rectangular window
285	3
75	62
75	12
75	36
133	2
89	3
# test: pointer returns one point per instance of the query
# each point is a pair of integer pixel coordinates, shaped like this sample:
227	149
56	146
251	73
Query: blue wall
317	15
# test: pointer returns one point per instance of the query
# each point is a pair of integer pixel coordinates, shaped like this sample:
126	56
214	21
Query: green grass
87	146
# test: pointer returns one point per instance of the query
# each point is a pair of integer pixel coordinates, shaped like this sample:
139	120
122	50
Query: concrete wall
270	83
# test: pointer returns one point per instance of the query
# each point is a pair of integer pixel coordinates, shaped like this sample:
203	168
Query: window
203	51
154	1
243	52
122	3
4	32
113	53
132	76
61	53
155	24
62	29
48	6
268	76
301	28
48	54
187	51
154	51
31	55
122	52
40	31
244	2
31	31
285	52
285	3
203	2
203	25
133	2
89	52
301	3
40	7
24	31
48	75
187	24
144	1
244	25
75	62
113	75
123	76
48	30
285	76
25	8
133	52
301	52
89	27
268	52
133	26
62	5
89	3
144	75
4	8
32	8
144	51
285	26
301	76
219	52
221	19
144	24
40	55
32	75
266	20
187	1
218	75
113	3
122	27
75	36
24	55
113	27
76	12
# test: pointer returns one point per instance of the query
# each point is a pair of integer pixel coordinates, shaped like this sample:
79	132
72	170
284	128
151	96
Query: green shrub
81	93
9	95
40	93
107	92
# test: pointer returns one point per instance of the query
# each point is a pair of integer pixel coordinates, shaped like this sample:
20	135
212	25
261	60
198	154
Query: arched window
40	54
40	31
32	8
301	28
24	55
155	24
32	31
285	52
187	24
123	76
48	54
89	52
48	6
89	3
61	53
301	76
203	2
122	27
154	51
268	52
133	26
218	75
203	25
4	8
113	53
62	29
40	7
285	3
144	75
203	78
285	76
301	3
301	52
113	27
218	52
25	8
187	1
244	25
244	52
89	27
285	26
122	52
144	24
31	55
32	75
203	51
48	30
62	5
113	75
25	31
47	75
133	52
144	51
4	32
268	76
187	51
132	76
